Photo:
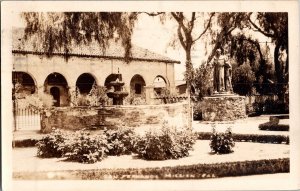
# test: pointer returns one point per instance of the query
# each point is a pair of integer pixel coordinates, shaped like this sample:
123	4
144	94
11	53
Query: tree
221	35
203	79
60	30
243	79
234	32
275	26
187	38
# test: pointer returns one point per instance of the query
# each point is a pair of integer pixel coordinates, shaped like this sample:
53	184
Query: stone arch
160	83
137	85
111	77
60	83
85	82
25	83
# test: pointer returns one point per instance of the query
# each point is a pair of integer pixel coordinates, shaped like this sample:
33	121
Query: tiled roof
115	50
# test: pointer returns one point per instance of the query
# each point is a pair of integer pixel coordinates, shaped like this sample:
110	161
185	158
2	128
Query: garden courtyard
94	106
247	154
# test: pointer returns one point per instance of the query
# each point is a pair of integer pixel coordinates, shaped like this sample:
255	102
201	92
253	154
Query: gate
27	119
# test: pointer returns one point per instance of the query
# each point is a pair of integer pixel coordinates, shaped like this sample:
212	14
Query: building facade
84	66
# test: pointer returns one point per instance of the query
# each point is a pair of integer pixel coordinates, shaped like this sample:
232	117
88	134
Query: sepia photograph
150	95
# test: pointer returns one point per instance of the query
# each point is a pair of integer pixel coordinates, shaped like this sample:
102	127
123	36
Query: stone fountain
117	94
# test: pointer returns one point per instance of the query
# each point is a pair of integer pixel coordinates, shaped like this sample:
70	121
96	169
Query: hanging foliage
58	31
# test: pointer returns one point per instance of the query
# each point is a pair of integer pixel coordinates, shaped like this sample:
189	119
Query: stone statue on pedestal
222	73
228	76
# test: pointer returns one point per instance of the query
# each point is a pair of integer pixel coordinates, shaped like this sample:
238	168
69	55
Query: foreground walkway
280	181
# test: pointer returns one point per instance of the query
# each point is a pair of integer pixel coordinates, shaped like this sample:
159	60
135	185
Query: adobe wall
75	118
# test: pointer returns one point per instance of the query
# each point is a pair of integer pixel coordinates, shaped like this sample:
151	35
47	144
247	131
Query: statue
228	76
222	73
219	63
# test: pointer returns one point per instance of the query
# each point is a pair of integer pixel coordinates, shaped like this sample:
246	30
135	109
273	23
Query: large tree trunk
279	73
189	76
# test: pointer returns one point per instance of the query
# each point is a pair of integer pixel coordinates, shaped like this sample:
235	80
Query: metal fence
27	119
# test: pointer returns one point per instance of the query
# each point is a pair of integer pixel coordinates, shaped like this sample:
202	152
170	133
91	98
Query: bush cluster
120	141
165	144
221	143
85	148
267	107
52	145
81	146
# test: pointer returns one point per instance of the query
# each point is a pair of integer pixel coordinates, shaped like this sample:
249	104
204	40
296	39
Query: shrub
86	148
120	141
273	127
79	146
221	143
165	144
52	145
35	101
198	110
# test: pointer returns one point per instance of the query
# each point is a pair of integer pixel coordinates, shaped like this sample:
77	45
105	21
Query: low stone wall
223	108
75	118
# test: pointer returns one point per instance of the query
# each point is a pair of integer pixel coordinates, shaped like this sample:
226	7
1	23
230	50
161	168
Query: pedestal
225	107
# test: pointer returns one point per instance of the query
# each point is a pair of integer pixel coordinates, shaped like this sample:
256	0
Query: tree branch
257	46
181	37
153	14
192	22
179	18
206	28
259	29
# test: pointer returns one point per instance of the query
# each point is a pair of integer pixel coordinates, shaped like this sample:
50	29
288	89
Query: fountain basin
117	94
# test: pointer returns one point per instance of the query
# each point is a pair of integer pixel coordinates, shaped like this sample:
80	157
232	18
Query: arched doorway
160	86
24	83
25	116
54	91
137	84
56	85
85	83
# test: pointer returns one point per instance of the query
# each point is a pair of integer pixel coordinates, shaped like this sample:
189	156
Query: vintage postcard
150	95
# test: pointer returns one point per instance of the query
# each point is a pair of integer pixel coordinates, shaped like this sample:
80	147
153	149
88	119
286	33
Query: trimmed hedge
250	138
197	171
269	126
24	143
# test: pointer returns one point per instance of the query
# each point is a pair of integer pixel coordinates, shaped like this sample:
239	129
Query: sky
150	33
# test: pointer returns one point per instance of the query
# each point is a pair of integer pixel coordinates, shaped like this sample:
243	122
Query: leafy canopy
59	30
